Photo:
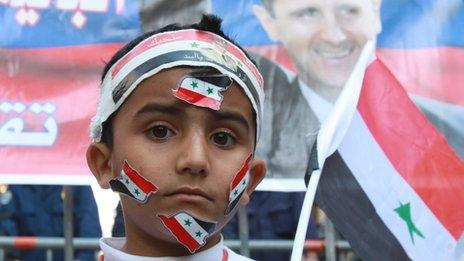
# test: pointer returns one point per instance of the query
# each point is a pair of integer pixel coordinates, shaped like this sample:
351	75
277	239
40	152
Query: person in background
37	211
273	216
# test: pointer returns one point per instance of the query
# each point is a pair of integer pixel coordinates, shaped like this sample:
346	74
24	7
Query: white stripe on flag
386	189
239	188
333	129
132	187
202	88
330	135
194	229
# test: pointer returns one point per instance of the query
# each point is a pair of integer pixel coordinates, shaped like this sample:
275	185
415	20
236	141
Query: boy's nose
193	157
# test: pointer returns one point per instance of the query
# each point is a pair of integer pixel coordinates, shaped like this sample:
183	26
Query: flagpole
329	138
303	222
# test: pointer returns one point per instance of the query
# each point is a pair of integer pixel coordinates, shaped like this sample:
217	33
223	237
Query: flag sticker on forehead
132	184
189	47
203	91
239	185
189	231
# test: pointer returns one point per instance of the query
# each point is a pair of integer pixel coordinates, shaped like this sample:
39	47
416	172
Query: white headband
171	49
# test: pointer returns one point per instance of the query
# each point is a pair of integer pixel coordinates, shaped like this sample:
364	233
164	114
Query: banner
52	53
51	57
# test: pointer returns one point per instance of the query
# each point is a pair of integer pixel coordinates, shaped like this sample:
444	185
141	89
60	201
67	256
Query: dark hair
210	23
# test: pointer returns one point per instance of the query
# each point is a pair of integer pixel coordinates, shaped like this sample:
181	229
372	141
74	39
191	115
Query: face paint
189	231
238	186
166	50
132	184
203	91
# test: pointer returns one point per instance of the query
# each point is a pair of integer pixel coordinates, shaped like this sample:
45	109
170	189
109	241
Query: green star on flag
187	222
209	90
127	181
198	233
194	45
404	211
137	192
194	85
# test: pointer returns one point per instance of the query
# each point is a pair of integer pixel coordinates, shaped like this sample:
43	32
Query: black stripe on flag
234	203
207	226
219	80
117	186
346	204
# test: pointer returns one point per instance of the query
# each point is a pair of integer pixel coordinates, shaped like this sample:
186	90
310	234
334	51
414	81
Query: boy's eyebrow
227	115
157	108
175	111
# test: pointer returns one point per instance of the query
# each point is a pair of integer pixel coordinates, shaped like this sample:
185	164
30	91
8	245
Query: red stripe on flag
197	98
225	255
145	185
432	72
180	233
184	35
241	173
415	148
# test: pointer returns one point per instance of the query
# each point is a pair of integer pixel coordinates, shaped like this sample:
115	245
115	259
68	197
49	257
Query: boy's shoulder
112	251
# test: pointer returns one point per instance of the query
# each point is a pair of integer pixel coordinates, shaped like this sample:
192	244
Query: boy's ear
98	159
257	172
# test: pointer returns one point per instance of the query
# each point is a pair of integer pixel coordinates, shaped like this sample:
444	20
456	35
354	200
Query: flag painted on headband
132	184
200	91
239	185
394	186
189	231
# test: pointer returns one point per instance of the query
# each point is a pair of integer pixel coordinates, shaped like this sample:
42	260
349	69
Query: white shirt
320	106
111	248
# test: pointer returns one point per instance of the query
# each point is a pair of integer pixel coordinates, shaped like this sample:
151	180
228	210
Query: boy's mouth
189	194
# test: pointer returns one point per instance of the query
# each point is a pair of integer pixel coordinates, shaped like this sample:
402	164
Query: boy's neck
139	243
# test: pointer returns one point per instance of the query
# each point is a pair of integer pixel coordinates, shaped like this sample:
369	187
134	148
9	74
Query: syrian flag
132	184
189	231
392	186
239	185
203	91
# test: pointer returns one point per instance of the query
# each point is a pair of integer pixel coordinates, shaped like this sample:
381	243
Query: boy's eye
223	139
160	132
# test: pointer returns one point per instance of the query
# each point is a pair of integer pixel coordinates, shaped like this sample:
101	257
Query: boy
175	132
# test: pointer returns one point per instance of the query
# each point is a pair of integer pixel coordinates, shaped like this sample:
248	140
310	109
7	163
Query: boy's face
190	153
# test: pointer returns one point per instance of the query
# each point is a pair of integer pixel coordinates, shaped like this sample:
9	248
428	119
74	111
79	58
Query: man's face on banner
323	37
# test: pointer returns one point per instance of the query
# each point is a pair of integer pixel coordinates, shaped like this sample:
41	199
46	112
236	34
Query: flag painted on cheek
189	231
203	91
132	184
238	185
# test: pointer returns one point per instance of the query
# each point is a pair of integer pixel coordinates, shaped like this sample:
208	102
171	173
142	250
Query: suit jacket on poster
289	125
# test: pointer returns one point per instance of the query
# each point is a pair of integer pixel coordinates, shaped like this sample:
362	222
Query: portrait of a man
324	39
